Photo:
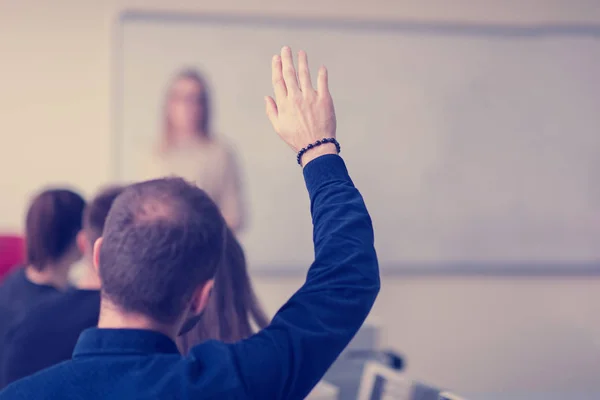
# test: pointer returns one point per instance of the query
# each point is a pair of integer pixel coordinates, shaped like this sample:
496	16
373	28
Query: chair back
12	253
381	382
450	396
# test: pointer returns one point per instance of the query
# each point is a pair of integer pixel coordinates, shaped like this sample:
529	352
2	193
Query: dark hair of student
96	211
233	311
51	226
162	240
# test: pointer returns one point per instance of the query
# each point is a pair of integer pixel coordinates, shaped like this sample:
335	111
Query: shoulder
53	312
227	152
219	358
221	144
211	351
40	386
71	297
14	278
24	331
55	305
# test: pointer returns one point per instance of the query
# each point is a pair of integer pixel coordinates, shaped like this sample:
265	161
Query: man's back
134	364
18	295
283	361
47	334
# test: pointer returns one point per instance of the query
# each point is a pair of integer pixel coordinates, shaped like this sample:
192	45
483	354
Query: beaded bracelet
316	144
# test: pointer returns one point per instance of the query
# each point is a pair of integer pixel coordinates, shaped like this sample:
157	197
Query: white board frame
525	270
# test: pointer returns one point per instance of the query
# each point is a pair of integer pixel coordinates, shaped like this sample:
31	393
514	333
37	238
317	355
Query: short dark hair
96	211
162	239
51	226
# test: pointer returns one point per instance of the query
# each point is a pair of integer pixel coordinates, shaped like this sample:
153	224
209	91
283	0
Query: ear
201	296
82	242
96	255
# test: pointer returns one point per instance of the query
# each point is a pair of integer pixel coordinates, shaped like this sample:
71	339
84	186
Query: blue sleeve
288	358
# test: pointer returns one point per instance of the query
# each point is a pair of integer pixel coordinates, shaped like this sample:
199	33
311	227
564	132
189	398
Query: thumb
271	109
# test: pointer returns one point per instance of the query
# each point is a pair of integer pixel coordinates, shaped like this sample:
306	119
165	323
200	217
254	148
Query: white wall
473	334
478	335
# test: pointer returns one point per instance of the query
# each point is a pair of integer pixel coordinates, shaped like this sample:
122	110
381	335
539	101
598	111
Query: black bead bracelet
316	144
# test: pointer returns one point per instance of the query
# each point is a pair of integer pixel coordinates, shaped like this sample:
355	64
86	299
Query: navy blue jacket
18	295
283	361
47	334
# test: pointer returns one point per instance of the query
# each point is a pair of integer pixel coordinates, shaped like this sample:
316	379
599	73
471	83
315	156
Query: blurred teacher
188	147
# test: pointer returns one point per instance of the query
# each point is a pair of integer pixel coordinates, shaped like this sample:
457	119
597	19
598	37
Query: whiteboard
472	145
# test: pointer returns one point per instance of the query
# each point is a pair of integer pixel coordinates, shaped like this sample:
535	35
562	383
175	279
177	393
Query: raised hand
300	114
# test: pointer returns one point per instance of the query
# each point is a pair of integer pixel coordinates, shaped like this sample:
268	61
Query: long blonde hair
233	309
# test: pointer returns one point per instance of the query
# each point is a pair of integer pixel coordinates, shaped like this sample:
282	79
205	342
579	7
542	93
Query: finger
304	73
323	82
271	109
289	72
277	78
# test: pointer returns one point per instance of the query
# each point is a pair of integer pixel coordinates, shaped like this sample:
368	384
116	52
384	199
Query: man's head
94	217
162	242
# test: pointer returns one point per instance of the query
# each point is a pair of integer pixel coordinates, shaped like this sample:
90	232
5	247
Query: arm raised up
289	357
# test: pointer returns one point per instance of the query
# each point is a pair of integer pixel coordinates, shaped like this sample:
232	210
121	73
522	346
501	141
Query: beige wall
470	334
55	81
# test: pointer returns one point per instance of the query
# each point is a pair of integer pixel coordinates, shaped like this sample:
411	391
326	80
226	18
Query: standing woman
188	147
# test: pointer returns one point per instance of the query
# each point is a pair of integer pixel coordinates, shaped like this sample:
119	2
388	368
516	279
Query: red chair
12	253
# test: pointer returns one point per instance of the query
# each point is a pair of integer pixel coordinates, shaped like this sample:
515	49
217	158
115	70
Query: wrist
316	152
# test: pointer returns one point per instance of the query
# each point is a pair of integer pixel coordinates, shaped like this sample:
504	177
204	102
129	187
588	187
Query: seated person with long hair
161	246
52	223
233	312
47	334
51	227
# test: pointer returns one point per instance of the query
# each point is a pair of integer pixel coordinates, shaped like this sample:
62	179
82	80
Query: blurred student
51	227
47	334
233	312
157	258
190	149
